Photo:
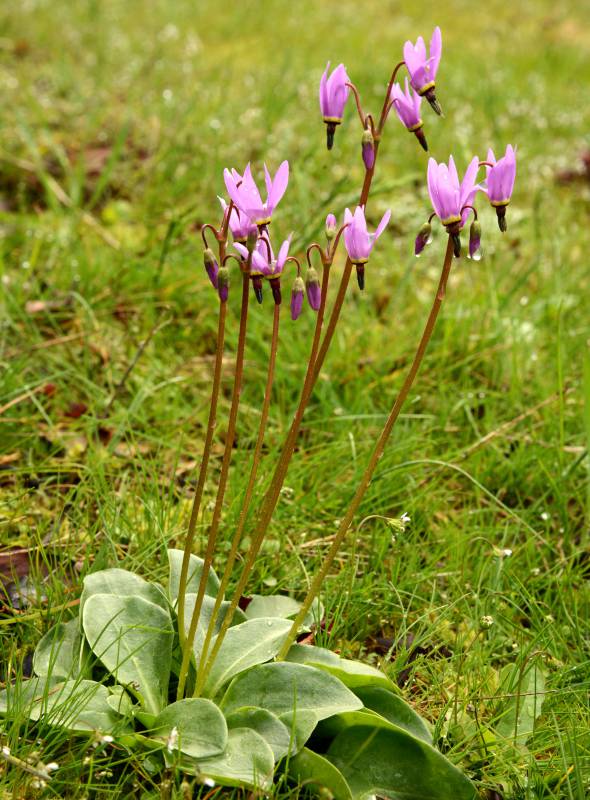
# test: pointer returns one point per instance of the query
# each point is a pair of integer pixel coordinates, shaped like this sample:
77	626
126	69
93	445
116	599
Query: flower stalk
376	455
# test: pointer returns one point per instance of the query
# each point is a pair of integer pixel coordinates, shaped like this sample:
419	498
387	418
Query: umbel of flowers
183	676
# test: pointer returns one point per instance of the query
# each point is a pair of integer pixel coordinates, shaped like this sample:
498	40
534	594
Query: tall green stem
190	537
260	530
227	453
202	673
375	456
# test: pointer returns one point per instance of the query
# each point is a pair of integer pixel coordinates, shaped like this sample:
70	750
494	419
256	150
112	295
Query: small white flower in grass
172	739
5	750
545	516
486	621
52	766
405	518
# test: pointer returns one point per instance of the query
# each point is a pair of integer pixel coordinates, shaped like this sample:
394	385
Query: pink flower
500	182
358	241
422	69
448	196
243	191
239	224
264	262
334	93
407	106
333	96
500	177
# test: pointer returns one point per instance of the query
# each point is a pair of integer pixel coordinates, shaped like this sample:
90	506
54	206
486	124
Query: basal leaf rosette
316	719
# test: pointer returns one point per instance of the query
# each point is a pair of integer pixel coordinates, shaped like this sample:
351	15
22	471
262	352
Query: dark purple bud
474	240
423	238
360	275
419	134
275	285
312	287
330	131
430	95
297	297
211	266
368	148
257	286
223	283
501	214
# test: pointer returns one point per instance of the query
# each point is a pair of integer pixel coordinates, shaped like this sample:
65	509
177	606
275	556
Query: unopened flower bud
331	227
312	287
368	149
297	297
474	239
211	266
423	238
223	283
252	239
257	286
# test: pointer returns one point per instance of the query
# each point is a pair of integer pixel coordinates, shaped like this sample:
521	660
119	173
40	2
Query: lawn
117	121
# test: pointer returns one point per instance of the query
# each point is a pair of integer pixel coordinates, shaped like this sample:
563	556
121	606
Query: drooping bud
211	266
223	283
475	240
331	227
252	239
312	287
501	215
368	149
360	275
423	238
257	286
275	285
297	297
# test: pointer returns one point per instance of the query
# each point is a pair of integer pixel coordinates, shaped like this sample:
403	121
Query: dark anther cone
501	214
275	285
421	138
330	131
257	286
434	104
456	244
360	275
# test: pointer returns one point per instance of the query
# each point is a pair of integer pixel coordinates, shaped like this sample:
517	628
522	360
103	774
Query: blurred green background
117	121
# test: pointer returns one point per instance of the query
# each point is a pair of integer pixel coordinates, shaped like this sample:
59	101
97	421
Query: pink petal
435	51
279	185
383	224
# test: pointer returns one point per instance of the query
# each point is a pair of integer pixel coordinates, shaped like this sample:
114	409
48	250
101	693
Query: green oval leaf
281	605
246	761
195	570
133	639
391	762
526	690
394	710
313	771
353	674
274	732
195	727
58	653
205	617
75	705
300	724
121	582
282	687
252	642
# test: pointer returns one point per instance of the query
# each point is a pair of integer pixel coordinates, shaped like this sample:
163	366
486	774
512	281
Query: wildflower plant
184	674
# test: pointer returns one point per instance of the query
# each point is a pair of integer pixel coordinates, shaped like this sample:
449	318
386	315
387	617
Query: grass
118	120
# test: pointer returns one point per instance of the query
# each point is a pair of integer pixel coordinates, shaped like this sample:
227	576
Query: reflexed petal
435	51
279	185
383	224
469	179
